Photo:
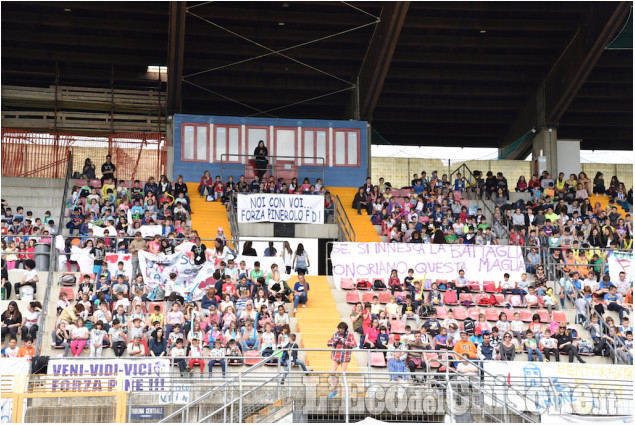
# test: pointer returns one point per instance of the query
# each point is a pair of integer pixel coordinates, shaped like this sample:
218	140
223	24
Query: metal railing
240	163
184	412
233	220
470	179
552	268
345	228
52	262
235	400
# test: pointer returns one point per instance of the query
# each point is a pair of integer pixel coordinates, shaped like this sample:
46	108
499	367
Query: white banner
80	255
98	232
280	208
620	261
560	388
373	259
61	370
156	269
113	264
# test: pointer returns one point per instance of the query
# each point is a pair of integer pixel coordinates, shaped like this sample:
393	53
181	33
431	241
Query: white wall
568	158
310	246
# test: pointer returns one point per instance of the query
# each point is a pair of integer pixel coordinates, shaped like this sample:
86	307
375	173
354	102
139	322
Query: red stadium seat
509	312
460	313
367	297
544	315
252	357
488	285
442	312
347	284
384	297
377	359
153	304
352	297
96	183
466	297
397	327
525	315
70	293
402	295
449	298
81	182
482	299
500	299
559	316
473	313
491	314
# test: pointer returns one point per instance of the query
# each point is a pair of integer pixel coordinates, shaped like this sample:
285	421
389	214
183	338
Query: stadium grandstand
194	228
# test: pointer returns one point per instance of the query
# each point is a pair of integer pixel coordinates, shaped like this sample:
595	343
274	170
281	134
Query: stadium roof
434	73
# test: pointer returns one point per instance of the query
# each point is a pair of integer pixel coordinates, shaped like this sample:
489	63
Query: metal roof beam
568	73
176	46
378	57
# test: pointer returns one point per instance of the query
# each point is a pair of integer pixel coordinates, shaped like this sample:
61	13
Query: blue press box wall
334	176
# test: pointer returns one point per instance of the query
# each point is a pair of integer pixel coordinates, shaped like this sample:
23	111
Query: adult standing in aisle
107	170
261	153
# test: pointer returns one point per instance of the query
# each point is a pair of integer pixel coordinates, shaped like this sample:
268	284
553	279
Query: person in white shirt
12	349
122	301
217	355
30	278
135	348
97	335
178	355
30	319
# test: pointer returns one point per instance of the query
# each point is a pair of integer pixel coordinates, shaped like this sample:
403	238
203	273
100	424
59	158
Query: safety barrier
30	154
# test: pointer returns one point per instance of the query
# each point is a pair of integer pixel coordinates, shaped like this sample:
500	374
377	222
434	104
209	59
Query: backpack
585	346
364	285
469	326
157	293
378	284
376	219
553	327
449	297
427	310
68	280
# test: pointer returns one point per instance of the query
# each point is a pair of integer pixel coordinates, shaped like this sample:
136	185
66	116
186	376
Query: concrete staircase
208	216
318	322
364	230
36	195
604	202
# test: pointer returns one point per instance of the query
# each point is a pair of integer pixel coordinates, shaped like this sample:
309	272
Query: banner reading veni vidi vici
437	261
280	208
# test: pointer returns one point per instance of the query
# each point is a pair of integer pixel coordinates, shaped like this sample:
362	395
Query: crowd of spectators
432	210
446	317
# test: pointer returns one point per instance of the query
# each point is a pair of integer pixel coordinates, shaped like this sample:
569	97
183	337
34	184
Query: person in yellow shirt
465	347
560	186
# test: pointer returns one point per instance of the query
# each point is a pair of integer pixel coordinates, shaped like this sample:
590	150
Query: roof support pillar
569	72
378	57
176	45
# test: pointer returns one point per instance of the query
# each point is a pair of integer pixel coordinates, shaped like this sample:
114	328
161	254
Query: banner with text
559	388
280	208
372	259
156	269
620	261
74	374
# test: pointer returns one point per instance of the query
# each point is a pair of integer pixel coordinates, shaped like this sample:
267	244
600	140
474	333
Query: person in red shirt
27	350
228	287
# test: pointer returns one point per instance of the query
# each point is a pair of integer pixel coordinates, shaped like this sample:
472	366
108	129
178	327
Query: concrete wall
322	231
